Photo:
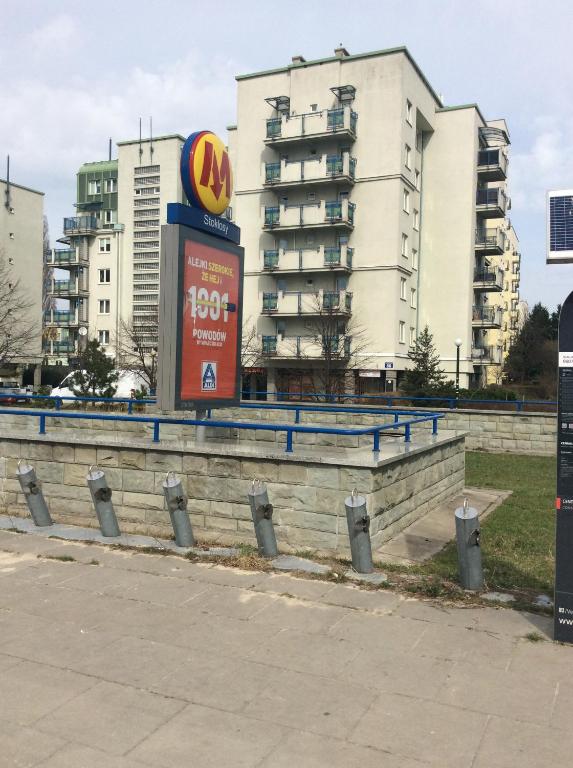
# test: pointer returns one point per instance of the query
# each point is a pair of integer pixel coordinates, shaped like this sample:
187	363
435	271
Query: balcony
492	355
486	317
64	257
81	225
491	202
295	303
306	347
59	347
488	279
61	317
73	287
490	240
335	213
310	171
492	165
321	259
316	126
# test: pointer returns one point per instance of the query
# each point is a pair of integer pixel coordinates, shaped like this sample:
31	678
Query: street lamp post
458	343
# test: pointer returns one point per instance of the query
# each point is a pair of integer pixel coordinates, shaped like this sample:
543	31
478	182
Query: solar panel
560	226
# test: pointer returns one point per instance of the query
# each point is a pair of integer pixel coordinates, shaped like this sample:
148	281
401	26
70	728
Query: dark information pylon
563	628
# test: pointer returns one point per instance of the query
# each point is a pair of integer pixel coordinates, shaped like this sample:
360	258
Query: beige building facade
367	210
21	249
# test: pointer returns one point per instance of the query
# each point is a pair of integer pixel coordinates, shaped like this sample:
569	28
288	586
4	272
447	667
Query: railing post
434	426
376	441
288	448
297	416
58	403
42	424
396	418
130	407
407	433
155	431
32	490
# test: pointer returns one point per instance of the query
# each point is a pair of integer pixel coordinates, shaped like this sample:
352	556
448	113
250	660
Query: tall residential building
21	250
368	210
111	259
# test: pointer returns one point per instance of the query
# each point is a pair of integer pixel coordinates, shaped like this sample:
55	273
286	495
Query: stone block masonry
307	488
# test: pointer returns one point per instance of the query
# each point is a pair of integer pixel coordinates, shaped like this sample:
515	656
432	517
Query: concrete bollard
31	488
101	497
176	501
469	549
359	533
262	512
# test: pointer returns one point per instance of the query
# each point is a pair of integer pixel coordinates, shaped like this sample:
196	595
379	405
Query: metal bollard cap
355	500
171	480
466	513
24	467
94	473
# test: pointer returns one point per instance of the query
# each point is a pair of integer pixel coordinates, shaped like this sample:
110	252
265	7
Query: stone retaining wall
307	491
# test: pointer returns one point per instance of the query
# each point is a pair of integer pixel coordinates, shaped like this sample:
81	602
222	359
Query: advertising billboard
560	226
200	329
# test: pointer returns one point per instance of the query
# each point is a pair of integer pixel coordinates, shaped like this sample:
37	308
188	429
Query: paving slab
150	660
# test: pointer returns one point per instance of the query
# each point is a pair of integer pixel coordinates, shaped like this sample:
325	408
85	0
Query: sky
73	74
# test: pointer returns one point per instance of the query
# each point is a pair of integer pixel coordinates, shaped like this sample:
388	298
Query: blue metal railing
288	429
58	400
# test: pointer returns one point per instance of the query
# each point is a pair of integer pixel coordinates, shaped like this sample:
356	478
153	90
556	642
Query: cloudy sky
72	74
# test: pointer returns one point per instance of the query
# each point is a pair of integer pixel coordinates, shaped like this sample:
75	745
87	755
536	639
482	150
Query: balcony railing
339	213
67	287
79	224
491	201
486	316
308	259
59	347
490	240
312	125
307	303
61	317
310	170
490	355
488	279
492	164
62	256
311	347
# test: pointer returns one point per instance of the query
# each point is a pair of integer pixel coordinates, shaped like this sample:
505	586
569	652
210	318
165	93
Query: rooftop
154	139
28	189
101	165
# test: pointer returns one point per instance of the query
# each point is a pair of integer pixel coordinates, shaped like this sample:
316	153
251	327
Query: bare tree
17	330
251	350
48	271
338	344
134	350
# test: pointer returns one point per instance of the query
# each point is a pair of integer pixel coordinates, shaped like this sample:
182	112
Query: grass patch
534	637
518	538
61	558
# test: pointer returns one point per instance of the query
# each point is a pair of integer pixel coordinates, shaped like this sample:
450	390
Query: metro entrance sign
201	289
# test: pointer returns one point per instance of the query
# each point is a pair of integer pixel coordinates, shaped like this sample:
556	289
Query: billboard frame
172	270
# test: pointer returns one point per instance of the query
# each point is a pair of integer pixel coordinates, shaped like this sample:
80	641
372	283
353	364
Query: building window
105	245
417	180
104	276
414	258
408	111
104	307
110	185
403	288
406	201
412	337
402	332
416	219
413	297
109	217
94	187
103	338
404	245
408	157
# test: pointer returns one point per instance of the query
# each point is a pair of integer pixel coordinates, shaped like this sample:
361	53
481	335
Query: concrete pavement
125	660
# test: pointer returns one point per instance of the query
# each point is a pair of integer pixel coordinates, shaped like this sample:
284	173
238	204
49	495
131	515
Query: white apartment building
111	258
362	198
21	249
